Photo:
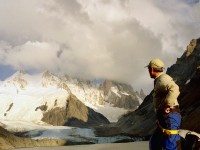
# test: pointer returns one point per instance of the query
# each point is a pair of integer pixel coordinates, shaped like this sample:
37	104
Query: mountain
120	95
75	114
113	95
63	100
186	73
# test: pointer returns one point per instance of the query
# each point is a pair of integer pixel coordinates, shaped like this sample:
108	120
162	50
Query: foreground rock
9	141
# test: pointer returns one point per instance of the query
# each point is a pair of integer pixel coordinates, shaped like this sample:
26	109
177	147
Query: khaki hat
156	63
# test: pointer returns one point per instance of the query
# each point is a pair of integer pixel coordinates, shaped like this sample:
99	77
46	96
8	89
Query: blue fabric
167	142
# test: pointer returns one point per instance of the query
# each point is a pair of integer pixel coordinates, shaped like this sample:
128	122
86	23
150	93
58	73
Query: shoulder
165	76
164	79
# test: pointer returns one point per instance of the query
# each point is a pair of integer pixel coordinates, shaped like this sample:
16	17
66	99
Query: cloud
33	55
96	39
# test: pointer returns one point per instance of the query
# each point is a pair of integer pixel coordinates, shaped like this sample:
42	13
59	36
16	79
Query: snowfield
22	95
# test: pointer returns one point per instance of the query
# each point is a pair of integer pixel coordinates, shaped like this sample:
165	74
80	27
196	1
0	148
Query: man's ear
167	110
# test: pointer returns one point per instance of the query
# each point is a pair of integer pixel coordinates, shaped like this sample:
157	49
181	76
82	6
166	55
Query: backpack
190	140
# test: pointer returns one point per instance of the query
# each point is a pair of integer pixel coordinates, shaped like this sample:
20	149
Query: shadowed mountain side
9	141
74	114
186	73
143	119
138	123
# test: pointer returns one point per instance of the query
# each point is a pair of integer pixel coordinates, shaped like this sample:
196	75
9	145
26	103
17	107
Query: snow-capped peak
104	96
17	79
17	74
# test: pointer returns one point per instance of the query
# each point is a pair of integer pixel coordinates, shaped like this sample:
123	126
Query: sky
91	39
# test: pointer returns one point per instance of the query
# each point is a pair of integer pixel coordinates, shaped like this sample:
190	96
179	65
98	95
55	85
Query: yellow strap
170	132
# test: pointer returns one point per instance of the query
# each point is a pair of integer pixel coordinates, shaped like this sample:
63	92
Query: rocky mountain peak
18	74
49	78
120	94
187	64
18	79
47	74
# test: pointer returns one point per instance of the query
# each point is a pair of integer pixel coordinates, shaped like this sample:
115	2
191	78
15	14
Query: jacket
166	92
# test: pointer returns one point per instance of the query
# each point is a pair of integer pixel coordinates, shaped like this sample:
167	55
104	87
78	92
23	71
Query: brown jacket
166	92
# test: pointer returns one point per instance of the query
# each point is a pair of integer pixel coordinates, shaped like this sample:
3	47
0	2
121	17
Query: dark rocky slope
186	73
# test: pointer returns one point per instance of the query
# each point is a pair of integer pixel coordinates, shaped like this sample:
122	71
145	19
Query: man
167	110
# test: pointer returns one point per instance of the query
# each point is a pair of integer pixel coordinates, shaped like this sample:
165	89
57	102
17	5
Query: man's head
155	67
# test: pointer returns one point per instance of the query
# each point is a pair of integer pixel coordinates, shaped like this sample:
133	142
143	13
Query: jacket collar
159	75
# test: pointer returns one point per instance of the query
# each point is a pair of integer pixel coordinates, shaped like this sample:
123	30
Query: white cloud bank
112	39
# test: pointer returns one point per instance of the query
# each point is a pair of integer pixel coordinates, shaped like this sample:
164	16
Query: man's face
152	72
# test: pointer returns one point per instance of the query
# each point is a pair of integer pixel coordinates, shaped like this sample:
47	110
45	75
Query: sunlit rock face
74	113
190	47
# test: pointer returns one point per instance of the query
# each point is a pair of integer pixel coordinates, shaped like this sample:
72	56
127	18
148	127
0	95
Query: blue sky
111	39
6	71
192	1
